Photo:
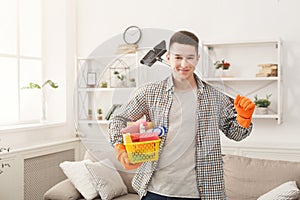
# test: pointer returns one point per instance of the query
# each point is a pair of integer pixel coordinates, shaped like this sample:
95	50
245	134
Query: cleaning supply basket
143	151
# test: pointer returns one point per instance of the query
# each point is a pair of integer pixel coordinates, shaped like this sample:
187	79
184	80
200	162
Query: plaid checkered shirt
215	111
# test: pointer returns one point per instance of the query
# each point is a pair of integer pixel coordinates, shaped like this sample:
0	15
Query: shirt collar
170	83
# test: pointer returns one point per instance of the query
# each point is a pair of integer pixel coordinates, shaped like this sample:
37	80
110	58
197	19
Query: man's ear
168	56
198	57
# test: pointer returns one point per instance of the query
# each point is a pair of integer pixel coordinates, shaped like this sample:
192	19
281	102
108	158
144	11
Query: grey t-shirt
176	175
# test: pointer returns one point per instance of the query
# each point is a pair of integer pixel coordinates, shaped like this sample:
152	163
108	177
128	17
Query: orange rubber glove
122	157
244	108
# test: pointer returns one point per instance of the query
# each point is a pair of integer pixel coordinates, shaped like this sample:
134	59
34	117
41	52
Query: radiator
42	172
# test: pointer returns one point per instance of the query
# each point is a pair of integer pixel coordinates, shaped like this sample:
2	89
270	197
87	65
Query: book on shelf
127	48
267	70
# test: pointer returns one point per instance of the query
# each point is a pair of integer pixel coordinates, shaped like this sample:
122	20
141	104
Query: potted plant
43	95
90	114
222	68
104	84
262	104
222	64
132	82
99	111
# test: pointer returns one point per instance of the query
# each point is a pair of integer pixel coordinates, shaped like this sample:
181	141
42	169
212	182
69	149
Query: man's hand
244	108
122	157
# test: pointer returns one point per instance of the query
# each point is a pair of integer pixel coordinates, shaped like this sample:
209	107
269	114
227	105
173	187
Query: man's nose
184	62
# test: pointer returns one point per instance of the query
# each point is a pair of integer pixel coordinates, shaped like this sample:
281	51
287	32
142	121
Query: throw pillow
80	177
107	180
102	155
286	191
64	190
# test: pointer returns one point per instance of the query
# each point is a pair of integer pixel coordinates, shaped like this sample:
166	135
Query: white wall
214	20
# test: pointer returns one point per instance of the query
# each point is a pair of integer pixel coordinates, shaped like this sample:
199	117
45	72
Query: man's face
183	58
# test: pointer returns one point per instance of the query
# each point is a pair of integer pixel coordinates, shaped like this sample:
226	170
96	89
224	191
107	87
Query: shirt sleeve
228	123
133	110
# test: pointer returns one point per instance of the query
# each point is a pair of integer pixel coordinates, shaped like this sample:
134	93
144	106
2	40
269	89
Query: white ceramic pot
225	73
222	73
261	111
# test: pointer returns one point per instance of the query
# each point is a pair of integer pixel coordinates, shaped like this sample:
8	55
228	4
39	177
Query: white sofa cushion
106	179
286	191
126	175
80	177
63	190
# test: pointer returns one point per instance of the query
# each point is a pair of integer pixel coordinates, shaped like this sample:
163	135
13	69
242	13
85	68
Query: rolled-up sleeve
229	125
133	110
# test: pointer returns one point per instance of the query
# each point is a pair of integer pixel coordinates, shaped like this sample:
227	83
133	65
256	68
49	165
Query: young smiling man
190	161
183	59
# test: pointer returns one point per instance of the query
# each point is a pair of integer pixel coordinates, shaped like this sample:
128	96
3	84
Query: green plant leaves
51	83
37	86
262	102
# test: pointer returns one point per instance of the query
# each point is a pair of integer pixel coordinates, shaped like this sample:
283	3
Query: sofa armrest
63	190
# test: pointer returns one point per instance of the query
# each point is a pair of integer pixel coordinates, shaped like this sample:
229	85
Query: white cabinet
245	58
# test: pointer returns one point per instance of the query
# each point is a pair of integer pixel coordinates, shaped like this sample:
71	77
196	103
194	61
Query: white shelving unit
92	94
93	97
97	97
244	57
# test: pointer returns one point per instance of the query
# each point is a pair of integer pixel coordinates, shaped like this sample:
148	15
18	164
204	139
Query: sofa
245	179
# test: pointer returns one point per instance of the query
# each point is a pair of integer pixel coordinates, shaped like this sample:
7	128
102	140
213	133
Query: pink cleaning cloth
135	127
135	137
148	136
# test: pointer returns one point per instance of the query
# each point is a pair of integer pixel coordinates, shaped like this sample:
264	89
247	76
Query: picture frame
91	79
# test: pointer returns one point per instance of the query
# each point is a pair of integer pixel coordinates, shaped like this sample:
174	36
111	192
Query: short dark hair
184	37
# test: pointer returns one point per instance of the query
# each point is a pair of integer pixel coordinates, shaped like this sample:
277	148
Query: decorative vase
120	83
44	112
43	117
117	82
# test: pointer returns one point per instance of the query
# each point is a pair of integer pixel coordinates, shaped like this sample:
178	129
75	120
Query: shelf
112	56
246	56
241	79
93	121
266	116
105	89
241	43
